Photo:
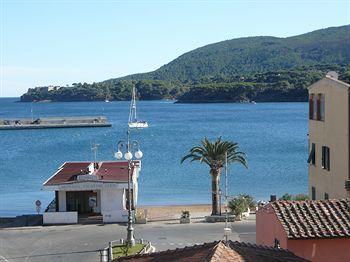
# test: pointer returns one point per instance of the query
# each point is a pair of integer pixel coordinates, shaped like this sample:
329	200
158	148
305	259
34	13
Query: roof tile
218	252
314	219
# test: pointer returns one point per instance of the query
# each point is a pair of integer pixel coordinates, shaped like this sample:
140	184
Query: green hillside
259	68
257	54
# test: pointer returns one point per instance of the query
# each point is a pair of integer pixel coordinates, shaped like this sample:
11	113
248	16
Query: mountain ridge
259	68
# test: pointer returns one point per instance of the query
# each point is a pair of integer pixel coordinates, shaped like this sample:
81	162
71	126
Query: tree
213	154
238	205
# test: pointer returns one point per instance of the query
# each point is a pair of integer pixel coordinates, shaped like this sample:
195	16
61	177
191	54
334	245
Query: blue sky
61	42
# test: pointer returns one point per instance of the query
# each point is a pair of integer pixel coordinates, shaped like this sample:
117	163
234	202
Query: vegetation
249	200
126	250
214	154
246	55
298	197
111	90
238	205
261	69
185	214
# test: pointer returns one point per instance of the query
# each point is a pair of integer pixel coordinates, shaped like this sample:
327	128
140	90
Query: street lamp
220	193
129	147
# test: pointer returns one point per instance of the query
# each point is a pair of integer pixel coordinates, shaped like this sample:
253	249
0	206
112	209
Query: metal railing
106	254
52	206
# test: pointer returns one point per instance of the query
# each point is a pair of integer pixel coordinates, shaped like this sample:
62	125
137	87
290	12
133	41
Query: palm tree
214	155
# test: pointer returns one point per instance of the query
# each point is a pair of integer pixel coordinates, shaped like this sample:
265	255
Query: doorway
83	202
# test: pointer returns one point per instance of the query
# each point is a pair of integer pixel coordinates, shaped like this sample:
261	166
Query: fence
106	254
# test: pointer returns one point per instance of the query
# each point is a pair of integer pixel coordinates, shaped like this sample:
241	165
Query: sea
273	136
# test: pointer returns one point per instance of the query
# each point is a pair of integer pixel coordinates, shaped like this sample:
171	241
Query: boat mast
132	114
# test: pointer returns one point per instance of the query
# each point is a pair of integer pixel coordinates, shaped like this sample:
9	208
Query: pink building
313	230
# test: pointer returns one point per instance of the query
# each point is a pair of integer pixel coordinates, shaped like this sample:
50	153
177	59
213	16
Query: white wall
112	205
62	203
60	217
98	206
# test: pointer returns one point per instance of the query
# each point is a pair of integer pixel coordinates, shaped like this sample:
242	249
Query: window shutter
328	159
318	107
311	107
312	156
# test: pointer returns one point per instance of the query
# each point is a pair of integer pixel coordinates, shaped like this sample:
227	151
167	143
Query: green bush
298	197
301	197
286	196
240	204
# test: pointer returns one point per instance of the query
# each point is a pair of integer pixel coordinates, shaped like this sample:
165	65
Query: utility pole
227	230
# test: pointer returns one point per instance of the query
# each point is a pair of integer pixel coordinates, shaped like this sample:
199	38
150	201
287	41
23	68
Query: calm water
274	136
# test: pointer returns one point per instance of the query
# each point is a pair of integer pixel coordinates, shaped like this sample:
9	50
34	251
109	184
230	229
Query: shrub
240	204
286	196
185	214
298	197
301	197
249	200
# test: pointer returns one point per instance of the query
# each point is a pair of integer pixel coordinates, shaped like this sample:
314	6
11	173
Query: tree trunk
215	181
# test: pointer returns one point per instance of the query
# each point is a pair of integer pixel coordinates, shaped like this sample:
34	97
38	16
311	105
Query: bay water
273	135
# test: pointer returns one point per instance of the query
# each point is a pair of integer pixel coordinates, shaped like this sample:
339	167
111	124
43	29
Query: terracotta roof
314	219
218	252
113	171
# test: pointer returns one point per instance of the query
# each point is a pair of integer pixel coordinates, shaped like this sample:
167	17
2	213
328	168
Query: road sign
38	206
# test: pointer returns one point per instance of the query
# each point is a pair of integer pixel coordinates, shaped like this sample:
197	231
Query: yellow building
329	144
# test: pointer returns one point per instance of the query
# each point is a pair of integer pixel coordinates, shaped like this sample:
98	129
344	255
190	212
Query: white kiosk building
84	189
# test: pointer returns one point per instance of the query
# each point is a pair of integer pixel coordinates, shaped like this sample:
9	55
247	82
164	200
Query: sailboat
107	95
133	121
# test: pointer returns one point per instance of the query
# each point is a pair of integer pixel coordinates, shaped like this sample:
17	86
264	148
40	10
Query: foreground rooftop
314	219
218	252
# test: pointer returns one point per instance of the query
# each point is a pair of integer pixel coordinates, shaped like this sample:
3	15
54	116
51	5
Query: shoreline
155	212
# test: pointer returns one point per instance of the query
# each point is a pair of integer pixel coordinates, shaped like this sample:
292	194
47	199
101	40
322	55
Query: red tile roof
113	171
218	252
314	219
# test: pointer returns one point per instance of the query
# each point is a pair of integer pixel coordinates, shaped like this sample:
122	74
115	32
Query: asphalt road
83	242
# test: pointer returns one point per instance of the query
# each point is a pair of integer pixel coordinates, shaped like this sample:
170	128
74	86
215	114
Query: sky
51	42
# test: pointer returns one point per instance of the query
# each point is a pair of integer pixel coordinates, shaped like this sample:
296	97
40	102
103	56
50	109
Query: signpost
38	206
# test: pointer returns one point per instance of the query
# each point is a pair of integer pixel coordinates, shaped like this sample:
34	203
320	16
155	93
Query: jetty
54	122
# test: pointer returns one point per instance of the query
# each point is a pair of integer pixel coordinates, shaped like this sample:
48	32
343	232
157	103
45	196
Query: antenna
94	148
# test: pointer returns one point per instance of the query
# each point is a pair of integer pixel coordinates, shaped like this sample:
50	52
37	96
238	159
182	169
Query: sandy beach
158	213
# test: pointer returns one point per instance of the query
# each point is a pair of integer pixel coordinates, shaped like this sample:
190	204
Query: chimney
273	198
332	74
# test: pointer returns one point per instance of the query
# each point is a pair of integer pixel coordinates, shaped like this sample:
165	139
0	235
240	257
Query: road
83	242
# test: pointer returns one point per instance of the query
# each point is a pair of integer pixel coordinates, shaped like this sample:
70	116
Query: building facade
314	230
91	189
329	158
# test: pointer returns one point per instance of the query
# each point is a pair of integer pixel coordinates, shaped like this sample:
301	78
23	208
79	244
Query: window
317	107
311	106
312	156
326	196
277	243
321	108
314	109
326	164
313	193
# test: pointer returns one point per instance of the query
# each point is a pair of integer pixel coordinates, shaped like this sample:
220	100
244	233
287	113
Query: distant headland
261	69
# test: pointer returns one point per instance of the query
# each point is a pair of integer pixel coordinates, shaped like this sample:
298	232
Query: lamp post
129	147
220	194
